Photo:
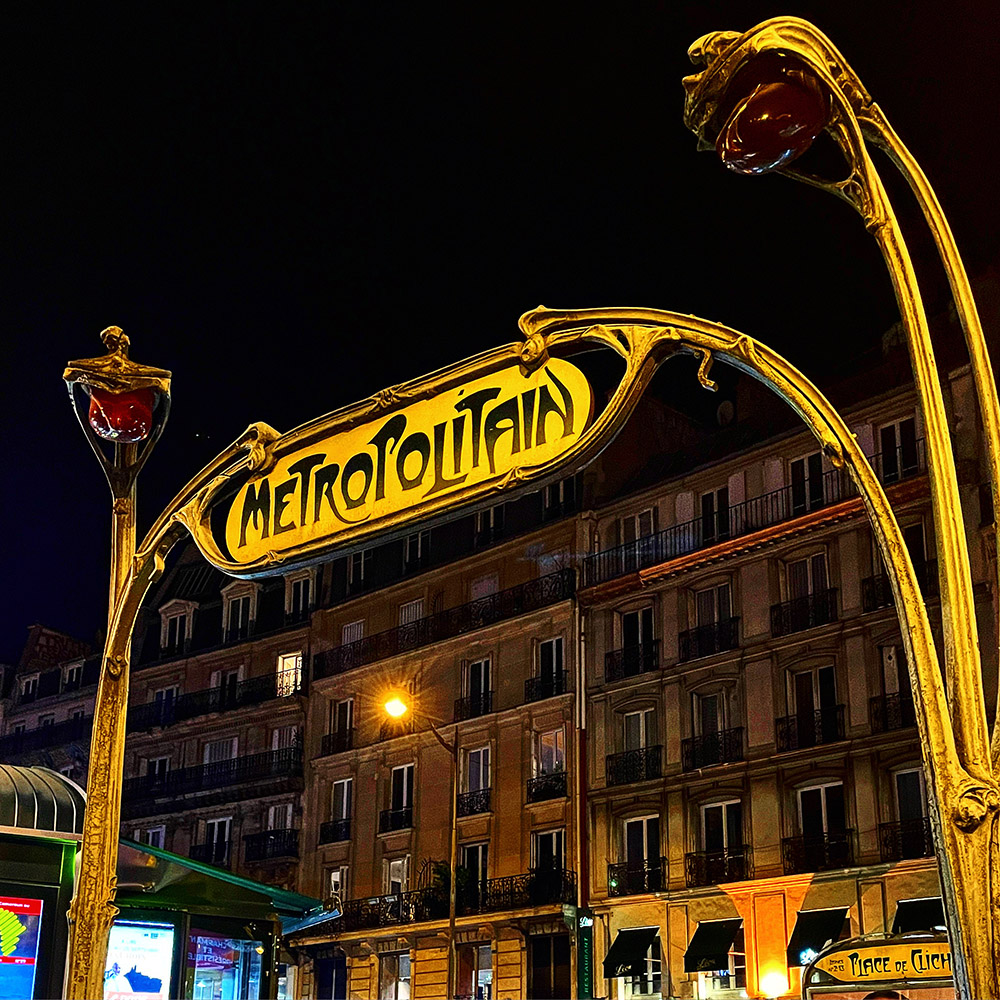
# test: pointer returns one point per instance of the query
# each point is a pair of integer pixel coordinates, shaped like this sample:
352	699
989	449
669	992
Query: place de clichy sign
402	463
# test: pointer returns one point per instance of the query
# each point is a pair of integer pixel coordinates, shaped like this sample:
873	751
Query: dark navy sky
292	206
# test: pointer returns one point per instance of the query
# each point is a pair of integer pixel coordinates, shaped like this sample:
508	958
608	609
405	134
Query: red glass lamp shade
783	112
124	417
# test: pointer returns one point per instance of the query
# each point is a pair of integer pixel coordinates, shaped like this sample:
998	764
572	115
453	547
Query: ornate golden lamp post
761	101
122	407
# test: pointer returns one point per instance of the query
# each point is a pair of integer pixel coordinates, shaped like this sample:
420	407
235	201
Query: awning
918	915
312	919
813	930
710	946
627	955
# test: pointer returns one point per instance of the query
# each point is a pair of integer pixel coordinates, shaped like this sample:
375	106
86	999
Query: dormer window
72	676
29	687
298	596
176	621
240	610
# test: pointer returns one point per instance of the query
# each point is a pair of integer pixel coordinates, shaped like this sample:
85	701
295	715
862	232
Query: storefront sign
585	954
874	964
460	442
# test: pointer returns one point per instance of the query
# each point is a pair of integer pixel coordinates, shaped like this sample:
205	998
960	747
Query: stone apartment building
675	692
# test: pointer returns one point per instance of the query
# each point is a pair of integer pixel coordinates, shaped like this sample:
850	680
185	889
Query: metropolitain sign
459	443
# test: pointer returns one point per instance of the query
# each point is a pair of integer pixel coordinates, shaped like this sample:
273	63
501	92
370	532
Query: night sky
292	206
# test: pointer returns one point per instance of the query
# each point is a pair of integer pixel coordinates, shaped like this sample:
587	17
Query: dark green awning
918	915
709	948
813	931
627	955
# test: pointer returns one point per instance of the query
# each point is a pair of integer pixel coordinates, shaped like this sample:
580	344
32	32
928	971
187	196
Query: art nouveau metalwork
761	100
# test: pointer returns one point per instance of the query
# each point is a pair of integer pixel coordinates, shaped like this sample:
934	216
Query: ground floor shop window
548	956
648	983
219	966
475	971
730	981
394	976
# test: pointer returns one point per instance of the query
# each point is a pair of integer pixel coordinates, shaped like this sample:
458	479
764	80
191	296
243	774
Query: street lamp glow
396	707
774	984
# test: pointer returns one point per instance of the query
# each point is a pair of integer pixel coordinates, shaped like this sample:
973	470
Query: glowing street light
396	707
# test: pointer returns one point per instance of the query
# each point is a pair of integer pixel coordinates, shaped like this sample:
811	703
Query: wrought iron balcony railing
214	853
473	706
783	504
221	774
723	747
888	712
877	593
633	765
818	853
905	839
45	736
395	819
801	613
254	691
270	844
631	661
465	618
537	887
337	742
333	831
473	803
537	688
631	878
707	640
809	729
547	786
718	867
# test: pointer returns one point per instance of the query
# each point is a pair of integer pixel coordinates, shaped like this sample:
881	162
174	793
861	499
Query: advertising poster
20	924
140	958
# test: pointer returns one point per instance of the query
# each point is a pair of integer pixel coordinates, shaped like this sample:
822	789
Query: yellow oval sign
458	443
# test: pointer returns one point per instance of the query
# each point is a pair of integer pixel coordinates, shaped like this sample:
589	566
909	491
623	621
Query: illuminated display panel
140	960
20	924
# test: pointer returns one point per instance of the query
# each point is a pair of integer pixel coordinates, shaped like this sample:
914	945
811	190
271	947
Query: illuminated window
289	669
394	976
550	752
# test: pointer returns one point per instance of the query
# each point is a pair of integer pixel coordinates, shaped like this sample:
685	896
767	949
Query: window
227	683
165	696
708	713
649	983
806	577
46	720
913	536
74	674
475	971
157	767
411	611
336	882
911	796
416	551
477	684
77	713
29	687
298	590
341	799
895	674
359	570
475	860
219	751
642	846
548	849
722	827
238	617
822	810
402	787
550	752
394	976
484	586
732	978
217	836
637	526
342	716
637	629
279	817
19	727
806	475
550	664
898	449
396	873
154	836
489	524
289	670
713	605
813	691
175	626
640	729
559	498
715	515
284	737
352	632
477	769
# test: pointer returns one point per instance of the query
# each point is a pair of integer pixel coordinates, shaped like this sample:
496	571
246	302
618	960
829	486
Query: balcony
45	736
876	592
473	706
905	839
802	613
888	712
473	803
547	786
633	765
214	853
395	819
286	763
809	729
718	867
752	515
630	878
465	618
254	691
539	688
707	640
334	831
819	853
337	742
270	844
528	890
723	747
631	661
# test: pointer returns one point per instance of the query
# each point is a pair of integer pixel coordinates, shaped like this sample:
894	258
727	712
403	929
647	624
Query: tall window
341	799
29	687
217	837
475	860
650	981
477	769
713	605
807	483
401	792
396	872
176	632
722	827
640	729
48	719
815	691
74	673
548	849
219	751
822	810
550	664
559	498
154	836
279	817
637	628
550	752
709	713
898	449
416	551
489	524
238	617
157	768
411	611
297	596
715	515
284	737
477	685
165	698
336	882
807	576
342	716
732	977
642	845
289	669
359	568
352	632
911	796
394	976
